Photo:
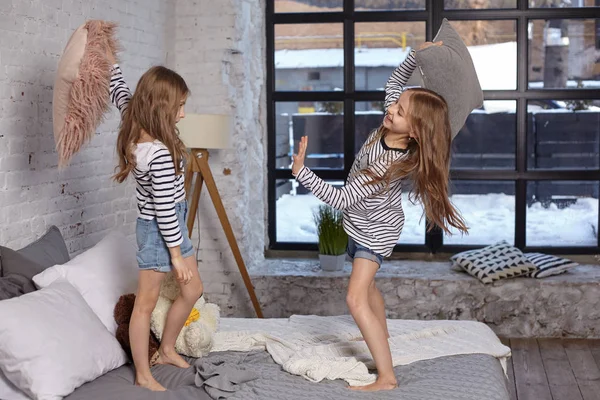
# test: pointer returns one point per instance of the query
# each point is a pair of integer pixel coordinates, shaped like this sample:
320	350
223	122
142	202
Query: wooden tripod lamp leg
195	196
201	162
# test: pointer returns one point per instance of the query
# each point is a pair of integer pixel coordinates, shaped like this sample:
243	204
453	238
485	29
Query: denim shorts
153	252
356	250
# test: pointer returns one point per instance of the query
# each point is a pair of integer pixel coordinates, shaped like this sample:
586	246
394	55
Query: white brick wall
81	200
220	51
217	46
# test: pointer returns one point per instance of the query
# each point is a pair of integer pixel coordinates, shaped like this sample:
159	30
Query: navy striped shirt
158	188
373	214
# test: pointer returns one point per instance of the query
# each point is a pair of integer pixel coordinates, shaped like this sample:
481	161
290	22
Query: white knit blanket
320	348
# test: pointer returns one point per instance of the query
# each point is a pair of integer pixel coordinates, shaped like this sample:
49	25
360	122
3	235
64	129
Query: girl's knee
144	304
193	292
356	300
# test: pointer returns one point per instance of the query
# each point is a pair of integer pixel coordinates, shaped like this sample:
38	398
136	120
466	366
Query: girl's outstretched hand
429	44
299	158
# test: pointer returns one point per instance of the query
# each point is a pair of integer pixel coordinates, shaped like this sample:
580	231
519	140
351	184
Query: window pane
563	53
413	231
562	213
291	6
380	47
493	48
563	3
309	57
470	4
294	211
488	138
322	122
488	208
381	5
563	134
368	116
284	134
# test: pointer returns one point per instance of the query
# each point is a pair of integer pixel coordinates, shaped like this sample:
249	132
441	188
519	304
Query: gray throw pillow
19	267
48	250
12	286
448	70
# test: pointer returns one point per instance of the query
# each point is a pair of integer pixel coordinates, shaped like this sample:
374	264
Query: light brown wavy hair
153	108
427	164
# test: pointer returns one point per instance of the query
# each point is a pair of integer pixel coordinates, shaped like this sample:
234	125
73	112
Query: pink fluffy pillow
81	87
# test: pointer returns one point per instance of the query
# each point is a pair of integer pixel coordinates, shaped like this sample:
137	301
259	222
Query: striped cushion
547	265
494	262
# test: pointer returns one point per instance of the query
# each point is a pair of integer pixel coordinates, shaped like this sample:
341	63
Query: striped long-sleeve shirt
158	188
373	214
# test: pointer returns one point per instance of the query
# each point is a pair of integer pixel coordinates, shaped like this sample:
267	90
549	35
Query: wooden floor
554	369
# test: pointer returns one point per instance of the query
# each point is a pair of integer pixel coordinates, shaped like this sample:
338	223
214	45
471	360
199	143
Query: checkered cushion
548	265
495	262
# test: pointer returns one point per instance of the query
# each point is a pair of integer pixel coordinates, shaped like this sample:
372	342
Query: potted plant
333	240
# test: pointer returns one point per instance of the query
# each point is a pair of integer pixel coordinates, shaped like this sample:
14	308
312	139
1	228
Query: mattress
464	377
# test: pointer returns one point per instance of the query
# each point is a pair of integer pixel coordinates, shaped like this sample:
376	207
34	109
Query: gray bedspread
465	377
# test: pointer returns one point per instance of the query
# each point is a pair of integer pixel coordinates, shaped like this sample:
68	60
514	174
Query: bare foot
150	384
379	384
172	358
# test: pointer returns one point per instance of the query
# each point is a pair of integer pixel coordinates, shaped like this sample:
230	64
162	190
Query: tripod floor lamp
200	132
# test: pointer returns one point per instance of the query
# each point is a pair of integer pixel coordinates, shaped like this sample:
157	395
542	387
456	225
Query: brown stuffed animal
123	311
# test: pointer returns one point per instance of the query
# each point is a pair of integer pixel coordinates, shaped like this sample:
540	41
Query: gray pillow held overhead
448	70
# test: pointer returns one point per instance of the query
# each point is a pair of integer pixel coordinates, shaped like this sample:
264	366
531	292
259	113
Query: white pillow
101	274
51	342
8	391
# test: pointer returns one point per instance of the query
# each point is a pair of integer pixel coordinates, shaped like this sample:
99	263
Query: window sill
566	305
588	271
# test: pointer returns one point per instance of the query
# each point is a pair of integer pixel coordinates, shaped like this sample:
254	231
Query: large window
525	167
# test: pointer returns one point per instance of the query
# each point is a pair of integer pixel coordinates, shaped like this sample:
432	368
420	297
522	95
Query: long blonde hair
427	164
153	108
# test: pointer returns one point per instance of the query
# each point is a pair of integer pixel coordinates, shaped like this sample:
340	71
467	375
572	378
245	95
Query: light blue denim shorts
356	250
153	252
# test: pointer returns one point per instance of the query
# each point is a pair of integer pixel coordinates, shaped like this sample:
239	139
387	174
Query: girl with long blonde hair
413	143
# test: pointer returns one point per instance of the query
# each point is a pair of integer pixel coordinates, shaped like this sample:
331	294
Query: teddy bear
122	312
195	338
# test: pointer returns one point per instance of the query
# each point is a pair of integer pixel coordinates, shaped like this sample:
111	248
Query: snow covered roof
496	64
332	58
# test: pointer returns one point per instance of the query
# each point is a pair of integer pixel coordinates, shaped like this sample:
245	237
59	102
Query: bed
438	360
464	377
300	357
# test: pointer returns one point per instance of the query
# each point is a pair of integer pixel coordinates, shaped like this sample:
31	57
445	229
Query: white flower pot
332	263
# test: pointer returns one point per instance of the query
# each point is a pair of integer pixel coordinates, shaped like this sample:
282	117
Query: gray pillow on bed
448	70
19	267
13	286
17	270
48	250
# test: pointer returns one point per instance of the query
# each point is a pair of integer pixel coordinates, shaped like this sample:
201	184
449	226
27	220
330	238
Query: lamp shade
205	131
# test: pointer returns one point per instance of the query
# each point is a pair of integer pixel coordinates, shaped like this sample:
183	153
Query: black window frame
433	16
